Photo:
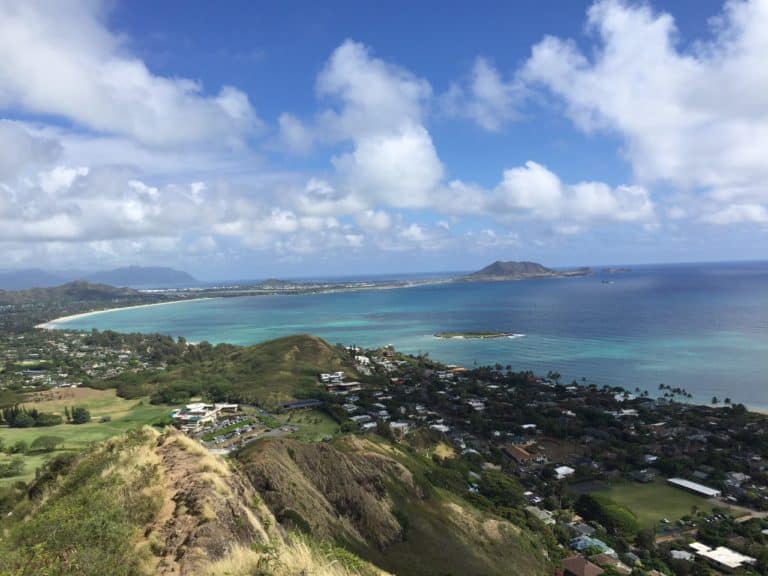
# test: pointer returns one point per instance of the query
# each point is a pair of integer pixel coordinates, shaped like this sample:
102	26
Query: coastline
55	324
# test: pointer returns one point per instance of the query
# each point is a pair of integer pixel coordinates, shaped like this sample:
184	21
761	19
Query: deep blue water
703	327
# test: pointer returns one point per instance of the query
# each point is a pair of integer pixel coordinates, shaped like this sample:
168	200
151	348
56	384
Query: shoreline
55	324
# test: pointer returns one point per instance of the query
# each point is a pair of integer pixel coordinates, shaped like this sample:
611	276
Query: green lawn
314	425
125	415
654	501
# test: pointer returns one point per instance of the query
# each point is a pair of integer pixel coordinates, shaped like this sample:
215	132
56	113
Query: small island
520	271
476	335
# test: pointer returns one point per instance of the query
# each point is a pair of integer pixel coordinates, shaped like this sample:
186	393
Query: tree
80	415
22	420
45	443
715	401
616	518
12	467
554	376
19	447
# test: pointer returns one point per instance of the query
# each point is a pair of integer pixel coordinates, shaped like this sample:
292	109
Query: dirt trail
206	510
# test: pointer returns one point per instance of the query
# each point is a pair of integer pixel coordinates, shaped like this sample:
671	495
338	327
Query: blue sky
306	138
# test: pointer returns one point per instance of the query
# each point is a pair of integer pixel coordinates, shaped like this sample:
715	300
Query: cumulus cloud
61	59
399	169
376	220
534	190
375	96
294	135
21	150
739	213
485	98
692	117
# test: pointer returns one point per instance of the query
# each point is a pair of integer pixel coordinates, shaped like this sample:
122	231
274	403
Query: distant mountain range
128	276
520	270
69	292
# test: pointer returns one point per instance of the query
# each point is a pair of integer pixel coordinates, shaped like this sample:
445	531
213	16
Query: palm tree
715	401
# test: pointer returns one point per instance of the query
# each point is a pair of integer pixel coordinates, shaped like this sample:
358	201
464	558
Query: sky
251	139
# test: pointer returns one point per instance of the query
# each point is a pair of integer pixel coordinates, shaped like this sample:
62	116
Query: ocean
702	327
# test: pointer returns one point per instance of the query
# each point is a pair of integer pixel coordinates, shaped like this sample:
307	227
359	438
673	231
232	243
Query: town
620	481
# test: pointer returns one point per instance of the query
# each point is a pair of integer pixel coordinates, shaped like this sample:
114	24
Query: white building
722	557
562	472
695	487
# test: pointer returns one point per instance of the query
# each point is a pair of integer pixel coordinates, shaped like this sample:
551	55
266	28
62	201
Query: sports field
655	501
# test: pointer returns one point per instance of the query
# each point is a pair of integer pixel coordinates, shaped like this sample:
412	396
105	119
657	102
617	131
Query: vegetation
100	513
20	417
123	415
268	374
380	501
617	519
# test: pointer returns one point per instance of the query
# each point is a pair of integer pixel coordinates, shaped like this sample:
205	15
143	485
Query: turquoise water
701	327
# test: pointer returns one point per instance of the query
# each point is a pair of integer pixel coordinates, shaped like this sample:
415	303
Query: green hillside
268	374
150	503
376	500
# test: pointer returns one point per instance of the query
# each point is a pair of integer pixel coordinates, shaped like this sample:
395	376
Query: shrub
46	443
12	467
80	415
616	518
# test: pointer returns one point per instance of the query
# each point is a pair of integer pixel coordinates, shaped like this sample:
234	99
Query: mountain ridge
124	276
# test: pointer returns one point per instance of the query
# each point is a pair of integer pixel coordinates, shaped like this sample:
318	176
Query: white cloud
534	190
695	117
487	99
60	177
490	238
396	169
739	213
376	97
59	58
21	150
376	220
294	135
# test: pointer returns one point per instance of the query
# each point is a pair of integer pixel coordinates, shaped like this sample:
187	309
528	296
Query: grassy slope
269	374
149	503
125	414
374	499
654	501
279	370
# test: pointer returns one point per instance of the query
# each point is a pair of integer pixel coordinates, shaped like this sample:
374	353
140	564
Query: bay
703	327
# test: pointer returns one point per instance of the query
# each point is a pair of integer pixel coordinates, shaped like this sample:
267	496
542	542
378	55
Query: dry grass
293	559
445	451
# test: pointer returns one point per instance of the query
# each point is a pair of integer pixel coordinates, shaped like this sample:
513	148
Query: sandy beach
55	323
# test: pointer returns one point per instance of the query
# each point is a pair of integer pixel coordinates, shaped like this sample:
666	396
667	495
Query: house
581	529
342	388
544	516
562	472
517	453
681	555
643	476
736	478
301	404
721	557
583	543
199	413
606	560
580	566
